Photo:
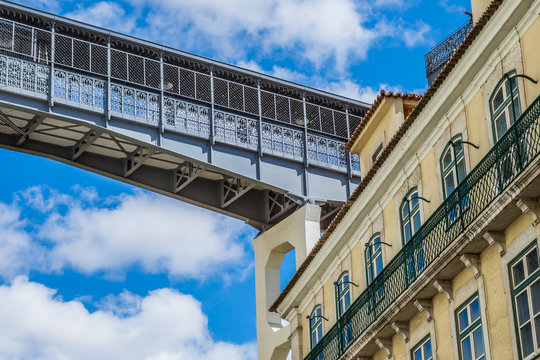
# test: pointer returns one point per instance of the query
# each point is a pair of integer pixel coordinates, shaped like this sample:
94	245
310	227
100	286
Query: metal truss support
83	144
137	159
29	129
232	189
276	205
185	174
11	125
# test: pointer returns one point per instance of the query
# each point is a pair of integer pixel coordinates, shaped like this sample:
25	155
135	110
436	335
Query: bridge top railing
57	41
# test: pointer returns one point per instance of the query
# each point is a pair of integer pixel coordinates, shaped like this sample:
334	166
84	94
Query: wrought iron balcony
438	56
482	186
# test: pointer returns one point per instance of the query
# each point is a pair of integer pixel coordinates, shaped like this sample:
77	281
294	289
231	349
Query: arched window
343	295
410	215
374	259
504	104
453	169
315	325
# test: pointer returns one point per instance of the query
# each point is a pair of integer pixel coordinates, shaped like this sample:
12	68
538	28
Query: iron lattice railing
501	165
157	74
32	78
437	57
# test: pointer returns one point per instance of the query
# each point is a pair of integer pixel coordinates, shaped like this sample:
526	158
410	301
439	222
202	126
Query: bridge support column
300	231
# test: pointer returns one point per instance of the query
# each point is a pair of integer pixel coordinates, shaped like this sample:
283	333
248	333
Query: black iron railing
501	165
437	57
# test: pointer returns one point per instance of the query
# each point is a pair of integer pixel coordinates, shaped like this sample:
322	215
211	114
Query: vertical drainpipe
161	101
212	129
51	74
259	130
108	93
349	156
306	160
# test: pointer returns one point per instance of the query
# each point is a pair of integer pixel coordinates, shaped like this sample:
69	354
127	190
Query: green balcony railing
501	165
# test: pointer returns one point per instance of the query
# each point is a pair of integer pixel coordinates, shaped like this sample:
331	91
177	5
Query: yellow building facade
436	255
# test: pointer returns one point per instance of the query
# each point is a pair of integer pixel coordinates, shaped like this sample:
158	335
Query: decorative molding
402	328
424	306
496	239
530	207
444	287
472	261
386	345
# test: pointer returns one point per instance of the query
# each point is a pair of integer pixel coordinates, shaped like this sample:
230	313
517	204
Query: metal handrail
501	165
437	57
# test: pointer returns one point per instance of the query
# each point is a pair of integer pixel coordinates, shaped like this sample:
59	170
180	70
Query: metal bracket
233	189
137	159
88	139
30	128
186	174
277	204
496	239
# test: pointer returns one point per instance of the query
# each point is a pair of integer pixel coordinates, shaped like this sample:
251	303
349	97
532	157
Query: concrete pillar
300	231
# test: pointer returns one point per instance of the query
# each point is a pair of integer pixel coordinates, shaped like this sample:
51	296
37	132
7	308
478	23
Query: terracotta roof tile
493	6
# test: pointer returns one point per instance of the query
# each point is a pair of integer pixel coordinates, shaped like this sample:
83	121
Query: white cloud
156	233
17	251
450	8
105	14
110	235
169	325
331	33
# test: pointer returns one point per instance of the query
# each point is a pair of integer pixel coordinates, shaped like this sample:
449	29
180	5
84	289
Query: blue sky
93	268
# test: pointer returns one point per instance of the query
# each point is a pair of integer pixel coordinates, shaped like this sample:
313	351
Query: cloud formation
314	32
80	231
168	325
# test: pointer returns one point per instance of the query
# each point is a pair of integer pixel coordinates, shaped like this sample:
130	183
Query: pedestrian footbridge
224	138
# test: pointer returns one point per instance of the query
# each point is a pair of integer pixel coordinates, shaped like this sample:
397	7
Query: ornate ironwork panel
437	57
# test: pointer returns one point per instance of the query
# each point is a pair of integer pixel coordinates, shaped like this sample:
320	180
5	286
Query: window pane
475	310
478	342
379	264
526	339
418	354
427	350
519	273
405	210
461	170
498	99
408	232
523	308
414	199
500	125
463	320
447	159
537	329
416	222
535	294
347	300
458	148
532	261
466	349
449	183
